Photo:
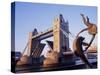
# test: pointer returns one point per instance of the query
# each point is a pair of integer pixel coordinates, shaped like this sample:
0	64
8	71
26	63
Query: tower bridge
60	43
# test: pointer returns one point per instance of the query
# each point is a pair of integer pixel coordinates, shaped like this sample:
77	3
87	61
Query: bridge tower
61	43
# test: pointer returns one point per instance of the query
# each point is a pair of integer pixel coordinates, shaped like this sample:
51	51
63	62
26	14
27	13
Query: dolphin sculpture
78	50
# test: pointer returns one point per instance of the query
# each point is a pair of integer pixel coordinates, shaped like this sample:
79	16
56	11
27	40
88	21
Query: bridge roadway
45	34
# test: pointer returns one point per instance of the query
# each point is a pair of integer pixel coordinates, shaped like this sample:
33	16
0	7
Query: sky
41	16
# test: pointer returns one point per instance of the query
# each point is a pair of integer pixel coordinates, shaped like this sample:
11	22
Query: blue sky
36	15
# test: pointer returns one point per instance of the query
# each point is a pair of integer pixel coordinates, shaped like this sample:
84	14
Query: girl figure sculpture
91	28
78	42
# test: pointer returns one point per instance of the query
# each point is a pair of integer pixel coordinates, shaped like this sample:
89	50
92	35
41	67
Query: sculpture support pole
93	36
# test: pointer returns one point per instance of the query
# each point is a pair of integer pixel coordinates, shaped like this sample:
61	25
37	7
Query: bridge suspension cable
25	48
67	34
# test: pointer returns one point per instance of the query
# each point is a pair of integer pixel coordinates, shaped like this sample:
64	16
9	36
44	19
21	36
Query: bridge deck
50	30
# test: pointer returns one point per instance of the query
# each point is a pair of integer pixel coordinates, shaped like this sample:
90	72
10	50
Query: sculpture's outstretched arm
82	31
87	19
84	20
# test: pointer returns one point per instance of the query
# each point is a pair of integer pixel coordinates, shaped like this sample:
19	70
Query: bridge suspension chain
25	48
67	34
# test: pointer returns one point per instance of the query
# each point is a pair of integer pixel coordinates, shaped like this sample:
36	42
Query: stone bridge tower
61	42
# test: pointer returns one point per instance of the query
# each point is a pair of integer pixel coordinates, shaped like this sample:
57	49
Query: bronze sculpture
91	28
78	42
